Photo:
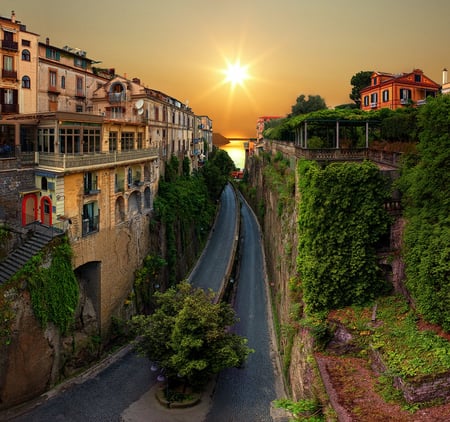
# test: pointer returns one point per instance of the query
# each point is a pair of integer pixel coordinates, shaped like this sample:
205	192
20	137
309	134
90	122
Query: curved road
240	395
211	267
245	394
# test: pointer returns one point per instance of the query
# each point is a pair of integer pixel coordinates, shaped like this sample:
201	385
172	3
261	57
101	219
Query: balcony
10	45
9	74
9	108
117	97
93	161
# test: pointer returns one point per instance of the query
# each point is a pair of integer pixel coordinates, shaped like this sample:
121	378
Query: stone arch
87	316
120	209
147	198
134	203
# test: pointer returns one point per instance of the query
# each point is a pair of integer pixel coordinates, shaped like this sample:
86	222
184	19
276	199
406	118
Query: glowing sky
288	47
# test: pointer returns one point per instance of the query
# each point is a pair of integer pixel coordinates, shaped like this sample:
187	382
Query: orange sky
291	47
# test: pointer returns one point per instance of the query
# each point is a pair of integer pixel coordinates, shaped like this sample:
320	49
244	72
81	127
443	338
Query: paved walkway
148	409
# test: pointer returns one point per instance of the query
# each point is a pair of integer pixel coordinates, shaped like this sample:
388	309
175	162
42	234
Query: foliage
146	280
6	313
359	81
216	172
305	106
341	218
188	335
172	169
184	202
400	125
407	350
281	179
54	290
425	182
303	410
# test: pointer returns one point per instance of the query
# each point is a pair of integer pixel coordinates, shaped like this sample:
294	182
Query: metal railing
70	161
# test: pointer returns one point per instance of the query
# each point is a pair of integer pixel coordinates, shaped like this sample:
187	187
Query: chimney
444	76
47	41
13	16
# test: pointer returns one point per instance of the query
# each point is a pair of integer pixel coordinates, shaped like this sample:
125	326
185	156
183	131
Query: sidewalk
148	409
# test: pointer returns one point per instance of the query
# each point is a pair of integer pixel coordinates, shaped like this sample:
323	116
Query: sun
236	74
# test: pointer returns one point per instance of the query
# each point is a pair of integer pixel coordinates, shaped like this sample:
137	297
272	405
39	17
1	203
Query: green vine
341	218
54	289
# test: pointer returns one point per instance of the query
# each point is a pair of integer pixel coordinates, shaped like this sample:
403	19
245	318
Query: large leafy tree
188	335
304	106
359	81
425	182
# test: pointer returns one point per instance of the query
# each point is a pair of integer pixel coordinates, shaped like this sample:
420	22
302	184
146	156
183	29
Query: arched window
26	56
26	82
63	82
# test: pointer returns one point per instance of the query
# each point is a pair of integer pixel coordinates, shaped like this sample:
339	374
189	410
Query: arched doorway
46	211
29	209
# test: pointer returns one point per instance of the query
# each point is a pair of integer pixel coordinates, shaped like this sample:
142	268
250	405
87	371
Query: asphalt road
211	268
246	394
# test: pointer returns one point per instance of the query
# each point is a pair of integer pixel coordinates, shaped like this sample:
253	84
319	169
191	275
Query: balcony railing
72	161
117	97
9	108
9	74
10	45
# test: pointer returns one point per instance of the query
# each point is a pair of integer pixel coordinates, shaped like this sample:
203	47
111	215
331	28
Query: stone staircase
41	236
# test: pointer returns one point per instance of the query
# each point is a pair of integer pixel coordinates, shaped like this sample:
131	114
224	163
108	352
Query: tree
188	335
305	106
425	182
359	81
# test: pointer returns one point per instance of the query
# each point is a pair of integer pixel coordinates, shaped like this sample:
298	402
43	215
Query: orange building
387	90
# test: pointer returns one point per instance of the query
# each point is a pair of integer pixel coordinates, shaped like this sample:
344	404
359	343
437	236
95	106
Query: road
245	394
241	395
210	269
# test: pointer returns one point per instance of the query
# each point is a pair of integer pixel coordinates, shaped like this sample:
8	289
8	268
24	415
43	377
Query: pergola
335	125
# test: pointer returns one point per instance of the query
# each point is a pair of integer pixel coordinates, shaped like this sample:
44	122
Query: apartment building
87	148
393	91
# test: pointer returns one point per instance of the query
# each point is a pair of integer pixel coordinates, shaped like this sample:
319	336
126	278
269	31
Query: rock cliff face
279	226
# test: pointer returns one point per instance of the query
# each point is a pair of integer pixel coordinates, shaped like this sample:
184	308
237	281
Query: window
90	183
417	78
8	63
113	136
373	99
91	140
80	92
52	53
52	79
91	217
375	80
79	108
80	62
366	100
385	95
116	112
26	83
157	113
26	56
26	43
63	82
46	140
405	95
8	96
127	141
140	137
69	140
44	184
